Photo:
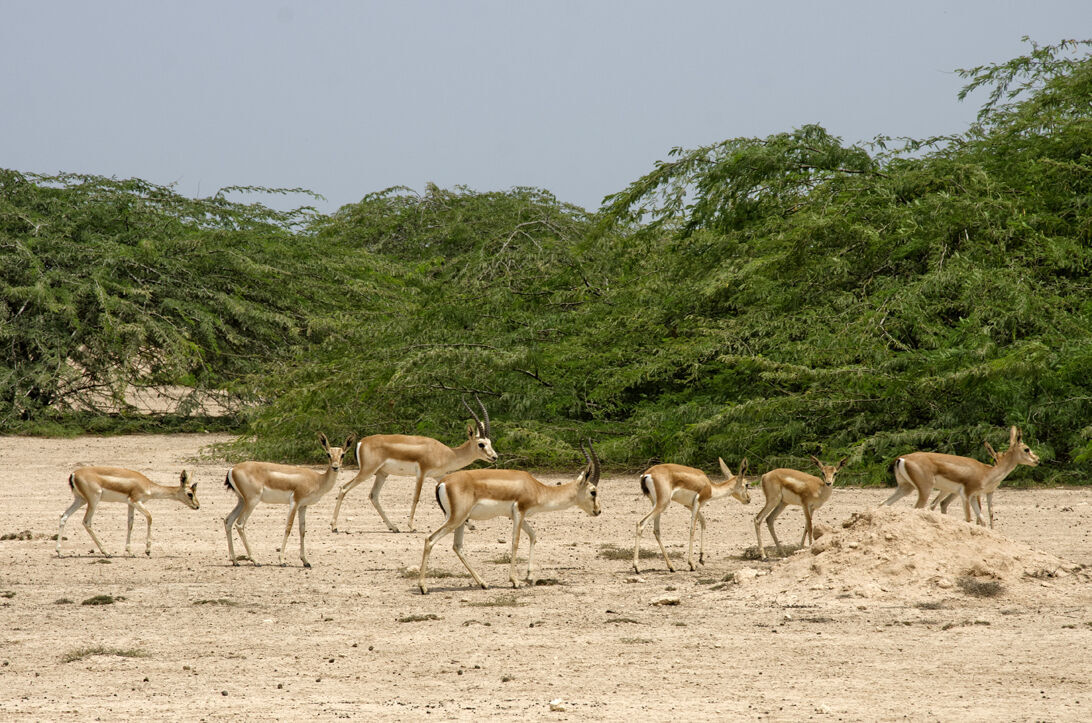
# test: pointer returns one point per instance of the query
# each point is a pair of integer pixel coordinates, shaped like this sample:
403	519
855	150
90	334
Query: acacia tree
107	285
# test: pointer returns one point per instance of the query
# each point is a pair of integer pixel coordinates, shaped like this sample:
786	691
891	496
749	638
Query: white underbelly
946	485
394	466
276	497
112	496
684	497
488	509
789	497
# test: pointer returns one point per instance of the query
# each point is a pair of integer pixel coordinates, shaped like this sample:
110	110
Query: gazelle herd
482	494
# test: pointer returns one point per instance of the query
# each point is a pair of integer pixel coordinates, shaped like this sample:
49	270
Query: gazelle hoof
306	564
235	563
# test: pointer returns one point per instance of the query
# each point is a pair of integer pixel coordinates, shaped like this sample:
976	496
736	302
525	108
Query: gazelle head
187	491
1023	453
828	471
480	433
739	489
334	454
587	483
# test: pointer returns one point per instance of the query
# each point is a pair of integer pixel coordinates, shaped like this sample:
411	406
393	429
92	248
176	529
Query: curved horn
481	427
594	463
485	413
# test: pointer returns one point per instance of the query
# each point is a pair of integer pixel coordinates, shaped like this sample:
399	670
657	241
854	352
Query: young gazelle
691	488
385	454
944	498
91	485
297	487
481	494
784	487
969	478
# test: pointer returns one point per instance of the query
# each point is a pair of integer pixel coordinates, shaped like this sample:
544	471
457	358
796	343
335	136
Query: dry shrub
975	587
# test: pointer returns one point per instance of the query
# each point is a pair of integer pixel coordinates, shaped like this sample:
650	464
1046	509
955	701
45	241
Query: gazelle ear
1014	435
349	442
323	440
184	477
816	460
743	466
470	431
725	469
842	462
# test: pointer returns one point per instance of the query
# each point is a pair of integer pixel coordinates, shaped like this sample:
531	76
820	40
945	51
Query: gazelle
91	485
784	487
691	488
297	487
482	494
969	478
386	454
944	499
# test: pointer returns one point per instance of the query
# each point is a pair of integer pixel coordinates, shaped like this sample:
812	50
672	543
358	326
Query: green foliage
109	287
762	297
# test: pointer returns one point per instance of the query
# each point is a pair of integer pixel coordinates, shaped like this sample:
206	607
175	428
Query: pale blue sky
580	98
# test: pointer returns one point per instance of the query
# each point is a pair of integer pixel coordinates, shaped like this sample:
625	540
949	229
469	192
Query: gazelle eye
481	444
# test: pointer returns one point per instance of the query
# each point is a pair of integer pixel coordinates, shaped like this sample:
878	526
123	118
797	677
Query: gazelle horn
482	429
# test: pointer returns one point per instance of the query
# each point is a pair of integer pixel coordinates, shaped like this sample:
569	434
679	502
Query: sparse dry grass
410	573
975	587
80	653
752	553
501	601
102	600
218	601
418	618
610	551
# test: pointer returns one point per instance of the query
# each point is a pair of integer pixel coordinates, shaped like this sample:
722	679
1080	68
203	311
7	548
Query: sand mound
911	555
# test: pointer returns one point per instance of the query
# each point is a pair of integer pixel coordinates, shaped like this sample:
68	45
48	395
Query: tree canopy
763	297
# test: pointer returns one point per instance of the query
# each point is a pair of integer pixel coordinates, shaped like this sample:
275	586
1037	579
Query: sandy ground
846	640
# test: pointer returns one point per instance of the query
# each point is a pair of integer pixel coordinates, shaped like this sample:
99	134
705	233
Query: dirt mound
912	555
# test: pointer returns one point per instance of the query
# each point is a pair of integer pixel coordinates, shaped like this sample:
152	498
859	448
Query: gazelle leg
420	481
660	542
763	514
517	523
451	524
363	474
989	505
701	545
902	491
808	532
240	526
148	516
770	519
229	522
658	506
129	529
694	508
457	545
377	486
530	550
292	507
77	503
303	531
976	506
92	504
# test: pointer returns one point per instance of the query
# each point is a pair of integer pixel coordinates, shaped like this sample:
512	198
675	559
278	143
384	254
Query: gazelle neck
328	478
1006	463
722	489
462	455
557	497
164	492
